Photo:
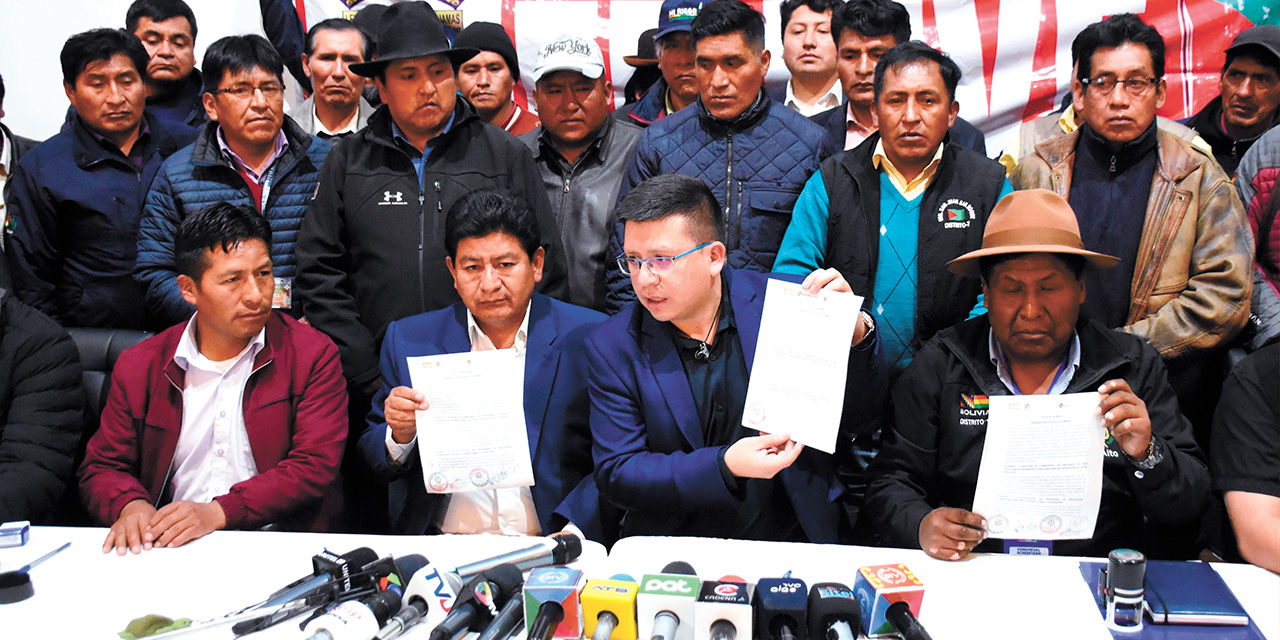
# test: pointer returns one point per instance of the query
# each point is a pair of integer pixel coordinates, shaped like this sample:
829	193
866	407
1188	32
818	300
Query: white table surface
982	596
82	593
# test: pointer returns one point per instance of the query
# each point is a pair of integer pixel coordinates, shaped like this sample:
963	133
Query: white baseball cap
569	53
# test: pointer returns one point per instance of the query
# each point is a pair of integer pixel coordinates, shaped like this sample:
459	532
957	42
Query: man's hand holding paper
401	409
1124	415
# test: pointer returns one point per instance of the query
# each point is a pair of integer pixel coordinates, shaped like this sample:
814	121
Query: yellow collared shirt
915	187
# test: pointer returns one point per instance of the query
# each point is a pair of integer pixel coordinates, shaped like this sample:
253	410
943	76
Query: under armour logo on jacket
389	198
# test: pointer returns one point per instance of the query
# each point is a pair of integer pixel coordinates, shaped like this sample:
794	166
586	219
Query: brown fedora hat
411	30
1031	221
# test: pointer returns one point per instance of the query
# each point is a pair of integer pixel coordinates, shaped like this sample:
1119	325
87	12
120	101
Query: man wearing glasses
1165	208
247	154
668	379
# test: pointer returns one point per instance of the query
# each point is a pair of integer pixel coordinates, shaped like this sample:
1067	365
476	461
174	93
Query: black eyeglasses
1107	84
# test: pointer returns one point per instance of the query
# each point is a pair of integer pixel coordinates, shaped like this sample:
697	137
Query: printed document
802	358
472	436
1041	473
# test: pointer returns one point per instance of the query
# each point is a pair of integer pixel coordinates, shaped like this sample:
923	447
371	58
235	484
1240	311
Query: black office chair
99	350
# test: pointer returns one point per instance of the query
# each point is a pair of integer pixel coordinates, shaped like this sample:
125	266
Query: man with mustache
249	154
1163	207
371	246
487	80
1034	341
894	209
678	87
581	153
335	108
863	31
1249	103
167	29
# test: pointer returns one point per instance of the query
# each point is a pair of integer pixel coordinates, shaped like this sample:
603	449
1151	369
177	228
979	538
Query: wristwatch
871	326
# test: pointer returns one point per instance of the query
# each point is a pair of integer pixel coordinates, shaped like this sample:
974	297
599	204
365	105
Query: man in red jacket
233	419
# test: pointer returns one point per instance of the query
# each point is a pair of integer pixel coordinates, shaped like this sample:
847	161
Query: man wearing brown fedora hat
1155	484
371	248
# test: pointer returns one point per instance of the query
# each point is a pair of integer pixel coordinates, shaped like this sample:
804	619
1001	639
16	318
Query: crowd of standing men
291	263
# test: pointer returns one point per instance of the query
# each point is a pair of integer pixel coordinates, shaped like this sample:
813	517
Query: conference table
83	593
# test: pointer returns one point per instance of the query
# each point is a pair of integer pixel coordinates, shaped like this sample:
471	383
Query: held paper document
1041	473
473	435
802	358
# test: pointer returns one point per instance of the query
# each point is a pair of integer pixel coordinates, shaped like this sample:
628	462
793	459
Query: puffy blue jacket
198	176
755	164
74	206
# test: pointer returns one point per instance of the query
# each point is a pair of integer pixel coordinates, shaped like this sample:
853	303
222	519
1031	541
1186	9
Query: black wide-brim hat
411	30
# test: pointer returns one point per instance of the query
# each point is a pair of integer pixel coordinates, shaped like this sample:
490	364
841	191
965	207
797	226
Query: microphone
834	613
551	603
479	601
428	596
609	608
326	568
510	618
879	586
665	599
781	606
726	604
562	548
354	619
900	616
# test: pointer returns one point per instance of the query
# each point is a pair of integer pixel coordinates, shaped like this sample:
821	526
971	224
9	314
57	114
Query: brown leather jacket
1192	281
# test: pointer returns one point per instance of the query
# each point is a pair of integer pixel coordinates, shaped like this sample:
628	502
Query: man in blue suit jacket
668	380
495	259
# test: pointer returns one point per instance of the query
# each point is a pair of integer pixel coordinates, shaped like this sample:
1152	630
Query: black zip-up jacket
933	445
953	214
371	248
40	411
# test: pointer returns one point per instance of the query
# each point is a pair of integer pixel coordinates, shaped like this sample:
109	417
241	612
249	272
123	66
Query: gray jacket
305	113
583	195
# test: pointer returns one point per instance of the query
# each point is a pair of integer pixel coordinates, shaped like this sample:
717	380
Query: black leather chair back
99	350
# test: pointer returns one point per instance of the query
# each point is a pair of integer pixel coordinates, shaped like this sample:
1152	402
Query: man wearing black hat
372	245
486	80
1249	103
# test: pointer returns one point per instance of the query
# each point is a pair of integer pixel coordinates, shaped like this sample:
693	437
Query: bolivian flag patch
974	402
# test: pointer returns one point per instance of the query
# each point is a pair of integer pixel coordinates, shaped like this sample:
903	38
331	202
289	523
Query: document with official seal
1041	473
473	434
802	359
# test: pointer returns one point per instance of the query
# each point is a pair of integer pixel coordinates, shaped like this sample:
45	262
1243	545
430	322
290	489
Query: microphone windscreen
358	558
568	547
779	602
507	580
829	603
383	604
679	567
407	566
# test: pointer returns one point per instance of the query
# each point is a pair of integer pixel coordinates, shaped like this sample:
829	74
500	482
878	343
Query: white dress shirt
6	167
829	100
349	127
213	449
507	511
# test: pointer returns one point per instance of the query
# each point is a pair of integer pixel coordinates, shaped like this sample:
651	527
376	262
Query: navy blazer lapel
540	366
664	362
746	313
